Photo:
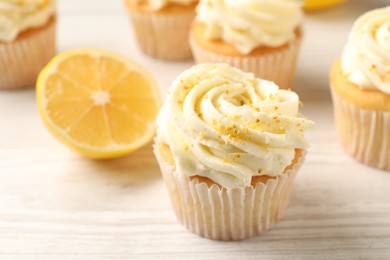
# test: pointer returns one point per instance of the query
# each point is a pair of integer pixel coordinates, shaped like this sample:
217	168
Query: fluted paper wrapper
228	214
276	66
364	134
22	60
163	36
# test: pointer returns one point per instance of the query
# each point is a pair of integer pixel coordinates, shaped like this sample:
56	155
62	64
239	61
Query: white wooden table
57	205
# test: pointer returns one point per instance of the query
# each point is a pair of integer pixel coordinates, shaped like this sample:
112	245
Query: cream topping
19	15
227	125
366	57
249	24
160	4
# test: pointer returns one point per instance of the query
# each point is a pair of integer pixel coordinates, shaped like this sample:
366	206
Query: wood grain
57	205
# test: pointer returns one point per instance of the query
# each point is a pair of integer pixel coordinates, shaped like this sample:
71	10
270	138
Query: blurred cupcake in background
262	37
161	27
27	40
360	83
229	146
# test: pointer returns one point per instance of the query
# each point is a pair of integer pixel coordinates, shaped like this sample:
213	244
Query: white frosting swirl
249	24
19	15
227	125
160	4
366	57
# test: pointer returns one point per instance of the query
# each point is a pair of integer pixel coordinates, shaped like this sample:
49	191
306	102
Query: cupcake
161	27
229	146
360	84
262	37
27	40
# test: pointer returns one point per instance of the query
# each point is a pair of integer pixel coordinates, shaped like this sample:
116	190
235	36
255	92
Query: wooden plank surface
56	205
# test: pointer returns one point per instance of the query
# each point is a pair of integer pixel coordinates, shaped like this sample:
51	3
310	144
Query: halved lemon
98	102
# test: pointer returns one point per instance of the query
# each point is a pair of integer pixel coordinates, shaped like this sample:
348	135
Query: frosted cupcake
229	146
360	83
161	26
27	40
262	37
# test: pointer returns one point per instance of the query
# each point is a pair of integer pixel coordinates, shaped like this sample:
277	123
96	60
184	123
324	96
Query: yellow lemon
98	102
313	5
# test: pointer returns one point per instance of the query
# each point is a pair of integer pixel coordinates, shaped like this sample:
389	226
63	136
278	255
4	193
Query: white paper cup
364	134
163	35
228	214
278	66
22	60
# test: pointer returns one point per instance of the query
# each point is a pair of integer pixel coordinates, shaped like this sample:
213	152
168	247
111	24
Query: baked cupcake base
23	59
217	213
274	64
163	34
362	120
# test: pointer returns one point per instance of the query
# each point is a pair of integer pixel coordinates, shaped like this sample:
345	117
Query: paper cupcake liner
22	60
228	214
277	66
363	133
163	36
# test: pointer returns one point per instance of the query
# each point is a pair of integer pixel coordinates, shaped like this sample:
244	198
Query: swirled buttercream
228	125
249	24
19	15
366	57
160	4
